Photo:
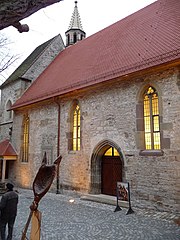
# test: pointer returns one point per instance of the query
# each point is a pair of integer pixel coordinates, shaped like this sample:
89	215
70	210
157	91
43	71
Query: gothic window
25	139
111	152
151	119
9	112
76	128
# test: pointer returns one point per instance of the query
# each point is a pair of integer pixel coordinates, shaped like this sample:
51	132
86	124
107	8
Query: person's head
9	186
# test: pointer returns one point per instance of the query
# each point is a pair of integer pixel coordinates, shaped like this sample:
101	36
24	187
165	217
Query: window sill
24	163
151	153
73	151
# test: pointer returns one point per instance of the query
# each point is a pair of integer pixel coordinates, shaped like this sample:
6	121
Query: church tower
75	31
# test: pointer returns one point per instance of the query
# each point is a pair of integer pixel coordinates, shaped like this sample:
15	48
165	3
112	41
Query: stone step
101	198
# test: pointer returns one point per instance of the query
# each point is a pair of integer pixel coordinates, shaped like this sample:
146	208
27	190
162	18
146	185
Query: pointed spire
75	31
75	22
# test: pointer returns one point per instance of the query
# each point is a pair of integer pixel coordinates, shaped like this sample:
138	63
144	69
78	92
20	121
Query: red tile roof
147	38
6	149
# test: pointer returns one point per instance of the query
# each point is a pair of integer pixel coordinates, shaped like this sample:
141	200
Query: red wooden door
111	174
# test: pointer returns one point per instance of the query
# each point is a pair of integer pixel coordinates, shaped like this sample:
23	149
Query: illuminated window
151	119
111	152
76	129
25	140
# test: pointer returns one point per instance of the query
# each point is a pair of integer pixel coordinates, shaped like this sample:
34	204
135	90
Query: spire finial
75	22
75	31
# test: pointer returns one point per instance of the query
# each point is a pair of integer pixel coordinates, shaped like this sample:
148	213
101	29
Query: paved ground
85	220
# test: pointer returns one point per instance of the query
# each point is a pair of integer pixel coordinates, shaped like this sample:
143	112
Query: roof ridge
11	146
6	147
130	48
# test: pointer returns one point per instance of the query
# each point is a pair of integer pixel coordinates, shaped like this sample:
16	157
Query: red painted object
6	149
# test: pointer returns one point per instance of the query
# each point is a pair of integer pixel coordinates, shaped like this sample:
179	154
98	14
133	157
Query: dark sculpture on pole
41	185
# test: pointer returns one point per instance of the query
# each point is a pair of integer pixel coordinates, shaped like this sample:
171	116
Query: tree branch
6	57
13	11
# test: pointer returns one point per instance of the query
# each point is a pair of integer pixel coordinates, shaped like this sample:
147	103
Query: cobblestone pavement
85	220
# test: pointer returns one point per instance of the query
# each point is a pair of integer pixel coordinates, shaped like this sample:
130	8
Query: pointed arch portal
106	169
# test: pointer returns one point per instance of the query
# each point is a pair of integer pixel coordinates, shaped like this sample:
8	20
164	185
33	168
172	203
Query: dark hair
9	186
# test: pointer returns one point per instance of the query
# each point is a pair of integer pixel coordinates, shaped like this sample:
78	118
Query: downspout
58	144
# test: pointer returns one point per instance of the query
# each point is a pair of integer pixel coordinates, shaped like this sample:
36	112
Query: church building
108	103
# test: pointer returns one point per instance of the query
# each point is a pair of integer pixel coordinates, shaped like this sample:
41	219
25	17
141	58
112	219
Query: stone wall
46	57
43	137
108	113
10	92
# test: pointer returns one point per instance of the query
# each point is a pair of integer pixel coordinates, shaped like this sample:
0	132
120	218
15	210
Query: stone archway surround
96	158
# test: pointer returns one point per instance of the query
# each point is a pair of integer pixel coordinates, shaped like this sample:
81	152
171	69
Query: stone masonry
108	118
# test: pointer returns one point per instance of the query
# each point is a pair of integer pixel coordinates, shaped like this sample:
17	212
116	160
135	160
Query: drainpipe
3	171
58	145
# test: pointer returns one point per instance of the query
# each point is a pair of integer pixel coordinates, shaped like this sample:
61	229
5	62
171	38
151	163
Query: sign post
123	194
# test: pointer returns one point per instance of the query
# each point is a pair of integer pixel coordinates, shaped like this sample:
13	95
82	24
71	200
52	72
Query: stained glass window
76	129
151	119
111	152
25	140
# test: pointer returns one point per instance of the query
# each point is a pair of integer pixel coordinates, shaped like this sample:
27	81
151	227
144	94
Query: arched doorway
107	167
111	171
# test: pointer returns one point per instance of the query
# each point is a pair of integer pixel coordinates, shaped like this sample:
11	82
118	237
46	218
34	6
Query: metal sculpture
41	185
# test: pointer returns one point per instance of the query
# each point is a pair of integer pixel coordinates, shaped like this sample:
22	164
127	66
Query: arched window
25	139
151	119
76	128
111	152
9	112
